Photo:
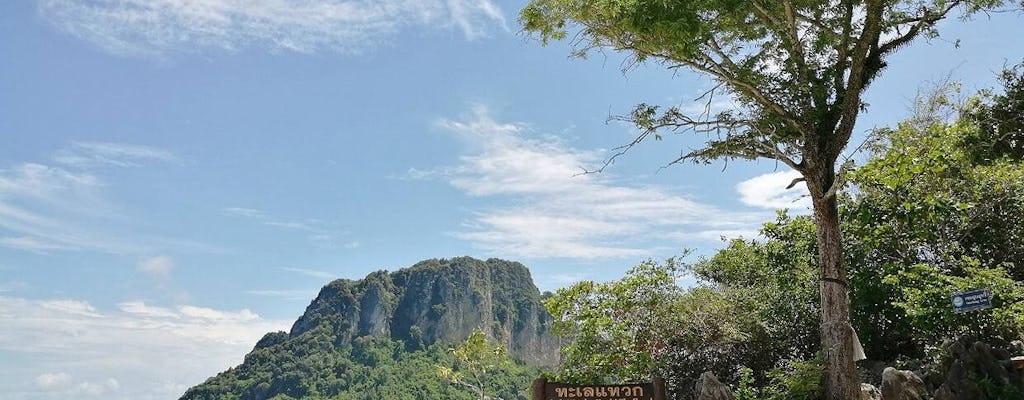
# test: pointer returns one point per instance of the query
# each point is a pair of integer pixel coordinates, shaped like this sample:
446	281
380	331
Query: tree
1000	120
799	70
936	210
747	311
476	359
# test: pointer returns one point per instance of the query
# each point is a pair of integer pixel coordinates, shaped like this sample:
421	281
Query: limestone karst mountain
392	327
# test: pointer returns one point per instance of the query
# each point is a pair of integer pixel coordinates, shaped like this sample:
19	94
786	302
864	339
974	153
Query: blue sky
179	177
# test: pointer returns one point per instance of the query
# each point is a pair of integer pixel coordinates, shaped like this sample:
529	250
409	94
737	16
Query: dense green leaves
749	313
312	367
478	364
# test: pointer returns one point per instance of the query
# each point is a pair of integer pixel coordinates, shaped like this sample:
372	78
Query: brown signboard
544	390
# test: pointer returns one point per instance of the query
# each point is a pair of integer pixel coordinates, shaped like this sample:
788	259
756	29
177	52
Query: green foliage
796	380
746	389
479	365
616	327
927	220
991	389
751	312
312	367
1000	119
926	292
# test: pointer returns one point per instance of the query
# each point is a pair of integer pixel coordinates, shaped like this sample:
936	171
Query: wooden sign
544	390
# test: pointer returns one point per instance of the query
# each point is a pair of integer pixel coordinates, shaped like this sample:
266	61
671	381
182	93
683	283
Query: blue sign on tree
971	301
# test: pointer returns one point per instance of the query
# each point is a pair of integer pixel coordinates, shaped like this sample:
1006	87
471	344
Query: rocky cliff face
437	300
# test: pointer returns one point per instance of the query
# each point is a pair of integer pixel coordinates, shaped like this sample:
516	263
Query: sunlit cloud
148	27
138	351
557	212
156	266
769	191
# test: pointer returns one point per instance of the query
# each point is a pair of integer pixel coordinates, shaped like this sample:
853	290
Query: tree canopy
923	219
797	68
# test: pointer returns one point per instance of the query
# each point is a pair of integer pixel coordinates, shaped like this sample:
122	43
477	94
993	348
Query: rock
972	363
959	385
709	388
439	300
902	385
869	392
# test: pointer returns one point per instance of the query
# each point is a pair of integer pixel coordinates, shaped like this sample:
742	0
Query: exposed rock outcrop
710	388
869	392
977	371
439	300
902	385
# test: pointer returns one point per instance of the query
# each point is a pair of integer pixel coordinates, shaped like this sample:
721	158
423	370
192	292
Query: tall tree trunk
841	380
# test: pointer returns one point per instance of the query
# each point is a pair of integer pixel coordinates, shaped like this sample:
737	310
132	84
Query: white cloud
76	307
154	27
138	352
52	379
769	191
313	272
289	225
211	314
31	244
287	294
243	212
556	211
157	266
47	208
98	154
140	308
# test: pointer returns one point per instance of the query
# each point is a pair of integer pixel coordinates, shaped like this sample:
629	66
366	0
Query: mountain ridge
432	302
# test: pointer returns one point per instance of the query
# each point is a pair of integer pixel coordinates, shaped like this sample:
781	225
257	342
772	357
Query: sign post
544	390
972	301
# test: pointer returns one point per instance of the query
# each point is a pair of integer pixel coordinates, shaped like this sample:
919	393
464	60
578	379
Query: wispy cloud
302	226
147	27
287	294
31	244
75	307
321	233
559	213
313	273
48	208
140	308
769	191
243	212
138	351
98	154
156	266
52	379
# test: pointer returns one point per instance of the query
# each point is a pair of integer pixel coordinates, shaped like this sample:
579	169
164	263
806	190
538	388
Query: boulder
902	385
869	392
974	363
710	388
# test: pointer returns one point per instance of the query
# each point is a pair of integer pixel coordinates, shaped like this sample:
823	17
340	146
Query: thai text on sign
633	391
